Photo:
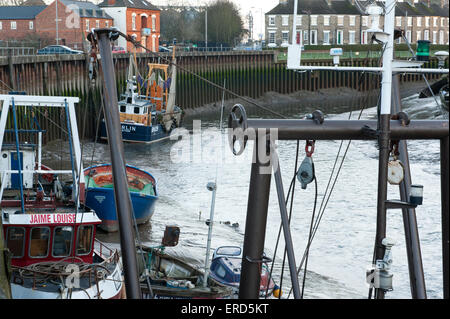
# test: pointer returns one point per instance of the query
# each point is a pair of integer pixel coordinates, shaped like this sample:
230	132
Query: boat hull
138	133
102	201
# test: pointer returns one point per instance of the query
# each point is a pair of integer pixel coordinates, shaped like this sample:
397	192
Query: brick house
338	22
138	18
75	20
18	22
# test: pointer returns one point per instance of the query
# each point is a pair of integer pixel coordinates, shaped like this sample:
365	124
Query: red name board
52	218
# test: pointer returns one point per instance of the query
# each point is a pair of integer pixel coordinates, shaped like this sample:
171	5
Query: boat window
84	240
136	110
39	241
123	108
221	272
15	237
62	241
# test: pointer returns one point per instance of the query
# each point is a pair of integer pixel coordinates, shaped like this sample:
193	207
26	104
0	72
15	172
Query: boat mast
121	192
384	134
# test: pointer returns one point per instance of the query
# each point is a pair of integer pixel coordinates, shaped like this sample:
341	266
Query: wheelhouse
42	237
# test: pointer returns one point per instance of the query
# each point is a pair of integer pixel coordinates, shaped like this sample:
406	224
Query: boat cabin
42	237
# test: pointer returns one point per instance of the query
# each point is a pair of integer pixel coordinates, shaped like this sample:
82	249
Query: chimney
111	2
429	3
329	2
281	1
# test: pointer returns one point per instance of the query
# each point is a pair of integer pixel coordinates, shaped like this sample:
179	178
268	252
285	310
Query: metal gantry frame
262	132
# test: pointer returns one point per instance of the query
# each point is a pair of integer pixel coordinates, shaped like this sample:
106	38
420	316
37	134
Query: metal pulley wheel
237	127
396	172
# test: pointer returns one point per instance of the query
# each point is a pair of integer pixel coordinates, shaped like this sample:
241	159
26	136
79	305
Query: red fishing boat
48	229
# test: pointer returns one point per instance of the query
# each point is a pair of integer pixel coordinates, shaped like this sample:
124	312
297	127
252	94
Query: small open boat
226	269
172	278
100	194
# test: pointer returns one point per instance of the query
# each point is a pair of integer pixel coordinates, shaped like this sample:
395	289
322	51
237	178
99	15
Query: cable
130	39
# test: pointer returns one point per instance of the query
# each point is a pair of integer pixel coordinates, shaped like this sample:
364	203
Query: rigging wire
217	86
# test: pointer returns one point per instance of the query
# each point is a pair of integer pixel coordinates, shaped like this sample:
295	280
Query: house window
326	37
15	241
285	37
434	37
340	20
435	21
97	24
352	20
133	21
313	37
442	22
31	25
13	25
408	36
1	25
409	21
398	21
62	241
313	20
418	35
271	20
284	20
107	23
299	20
39	242
419	22
154	23
340	37
351	37
87	25
272	37
426	35
441	37
365	21
427	21
305	36
326	20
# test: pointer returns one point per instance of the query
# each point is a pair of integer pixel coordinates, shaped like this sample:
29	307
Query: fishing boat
100	194
164	276
49	231
147	109
226	269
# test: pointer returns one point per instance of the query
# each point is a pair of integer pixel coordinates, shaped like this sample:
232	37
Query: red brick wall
22	29
139	26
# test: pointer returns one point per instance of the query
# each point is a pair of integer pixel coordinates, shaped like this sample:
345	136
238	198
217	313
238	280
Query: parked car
118	50
164	49
58	49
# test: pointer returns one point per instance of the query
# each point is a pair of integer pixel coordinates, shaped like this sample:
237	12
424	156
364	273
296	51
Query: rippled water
343	246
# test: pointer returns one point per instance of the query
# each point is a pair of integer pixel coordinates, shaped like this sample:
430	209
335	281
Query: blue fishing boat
99	194
147	108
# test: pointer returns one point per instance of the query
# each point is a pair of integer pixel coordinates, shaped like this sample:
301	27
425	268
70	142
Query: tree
180	25
225	25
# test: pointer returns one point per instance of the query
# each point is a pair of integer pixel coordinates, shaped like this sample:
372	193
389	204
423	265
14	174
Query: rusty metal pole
415	265
121	192
255	225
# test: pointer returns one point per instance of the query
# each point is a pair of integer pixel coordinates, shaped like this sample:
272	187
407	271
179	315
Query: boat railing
105	252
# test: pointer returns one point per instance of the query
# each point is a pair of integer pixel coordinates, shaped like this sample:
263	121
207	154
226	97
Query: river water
343	245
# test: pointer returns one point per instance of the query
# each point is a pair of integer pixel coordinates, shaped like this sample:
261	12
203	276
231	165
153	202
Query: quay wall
247	73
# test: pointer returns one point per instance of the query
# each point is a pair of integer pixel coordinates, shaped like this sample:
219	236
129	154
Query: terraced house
338	22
